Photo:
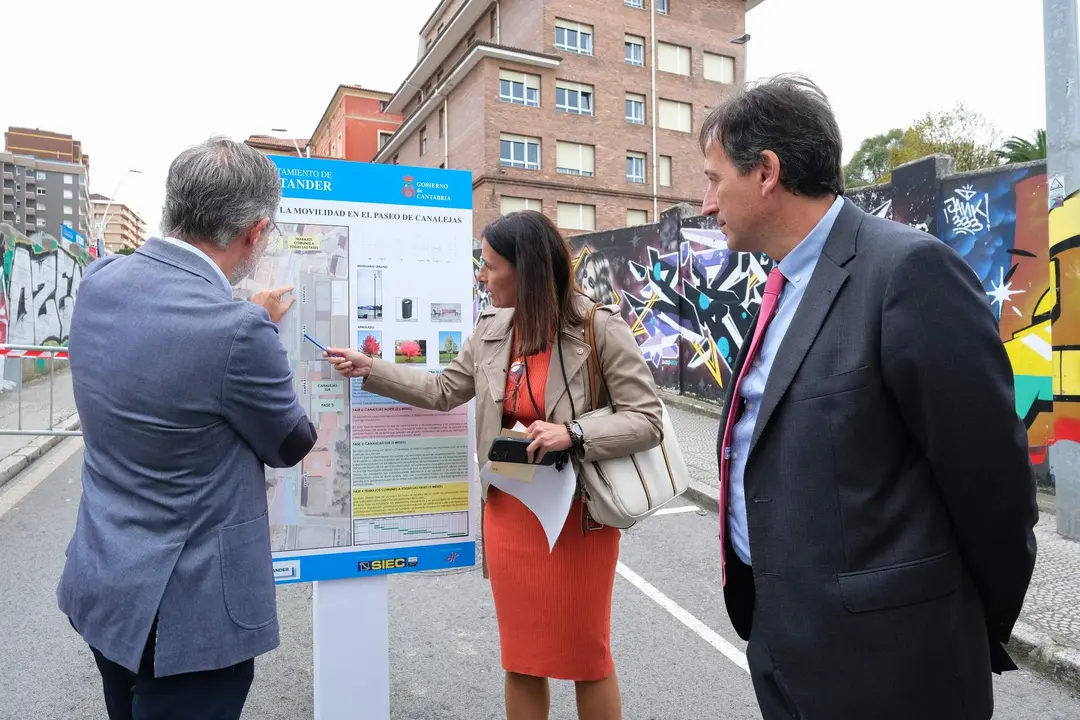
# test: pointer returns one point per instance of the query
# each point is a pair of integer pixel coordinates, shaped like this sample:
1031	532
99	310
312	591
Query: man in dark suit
877	501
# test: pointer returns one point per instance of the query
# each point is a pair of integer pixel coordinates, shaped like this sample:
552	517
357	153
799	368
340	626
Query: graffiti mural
1063	300
39	282
997	222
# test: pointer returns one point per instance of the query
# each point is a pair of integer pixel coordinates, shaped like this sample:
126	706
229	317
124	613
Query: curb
25	456
699	407
1035	649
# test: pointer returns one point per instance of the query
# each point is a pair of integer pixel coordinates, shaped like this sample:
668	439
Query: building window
520	152
382	106
509	204
82	179
719	68
438	76
68	179
665	170
442	166
635	50
573	37
640	4
573	98
519	88
635	167
662	6
384	137
38	206
41	222
573	216
635	109
470	40
439	31
423	140
68	210
673	58
395	160
442	121
675	116
333	150
575	159
68	195
41	192
637	217
40	175
493	18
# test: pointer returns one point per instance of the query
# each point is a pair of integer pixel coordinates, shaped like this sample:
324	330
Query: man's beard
246	267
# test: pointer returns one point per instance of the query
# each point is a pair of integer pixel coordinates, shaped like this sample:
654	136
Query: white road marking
674	510
37	473
702	630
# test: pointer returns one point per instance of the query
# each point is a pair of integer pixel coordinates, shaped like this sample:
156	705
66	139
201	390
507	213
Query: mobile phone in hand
515	450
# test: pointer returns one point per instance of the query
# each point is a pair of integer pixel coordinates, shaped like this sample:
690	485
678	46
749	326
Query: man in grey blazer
877	501
185	396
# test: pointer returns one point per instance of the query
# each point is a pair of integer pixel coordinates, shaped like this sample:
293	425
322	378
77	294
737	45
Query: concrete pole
1063	175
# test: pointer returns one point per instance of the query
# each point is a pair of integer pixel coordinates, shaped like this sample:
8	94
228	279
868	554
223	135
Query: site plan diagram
309	505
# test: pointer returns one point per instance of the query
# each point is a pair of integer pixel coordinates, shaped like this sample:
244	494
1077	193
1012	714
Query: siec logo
408	191
377	565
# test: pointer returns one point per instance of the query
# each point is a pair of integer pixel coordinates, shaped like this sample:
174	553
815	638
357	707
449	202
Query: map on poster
380	259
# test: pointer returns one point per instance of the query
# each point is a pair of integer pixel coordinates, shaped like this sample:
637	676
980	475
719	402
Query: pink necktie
773	286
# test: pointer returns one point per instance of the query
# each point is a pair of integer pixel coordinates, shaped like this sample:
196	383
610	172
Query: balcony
9	190
31	210
8	175
31	178
9	208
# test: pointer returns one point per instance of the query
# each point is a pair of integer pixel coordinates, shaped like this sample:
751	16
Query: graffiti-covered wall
997	221
39	282
692	304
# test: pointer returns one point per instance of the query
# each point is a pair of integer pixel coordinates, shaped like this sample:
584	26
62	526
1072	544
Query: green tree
870	164
124	251
965	135
1017	149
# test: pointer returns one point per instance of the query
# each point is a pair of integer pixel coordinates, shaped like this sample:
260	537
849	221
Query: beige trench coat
479	371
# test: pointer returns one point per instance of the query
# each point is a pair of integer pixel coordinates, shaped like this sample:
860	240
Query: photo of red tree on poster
410	351
371	345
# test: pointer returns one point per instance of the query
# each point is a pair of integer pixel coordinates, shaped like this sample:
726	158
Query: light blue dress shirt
798	266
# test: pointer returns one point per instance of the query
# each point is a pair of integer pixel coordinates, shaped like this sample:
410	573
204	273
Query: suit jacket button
580	351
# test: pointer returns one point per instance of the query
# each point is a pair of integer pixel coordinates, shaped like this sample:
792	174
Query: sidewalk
1047	636
17	451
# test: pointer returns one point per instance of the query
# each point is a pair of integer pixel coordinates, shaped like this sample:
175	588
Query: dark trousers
208	695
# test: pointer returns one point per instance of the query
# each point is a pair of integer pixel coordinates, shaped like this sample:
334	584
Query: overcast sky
141	81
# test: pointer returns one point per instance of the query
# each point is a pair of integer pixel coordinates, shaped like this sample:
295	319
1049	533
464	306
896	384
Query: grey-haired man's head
221	196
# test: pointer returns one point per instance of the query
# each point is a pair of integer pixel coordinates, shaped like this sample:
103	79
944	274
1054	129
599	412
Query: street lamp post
105	214
295	145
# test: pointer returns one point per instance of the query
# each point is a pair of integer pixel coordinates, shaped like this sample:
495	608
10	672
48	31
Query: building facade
355	125
44	195
271	145
582	109
123	228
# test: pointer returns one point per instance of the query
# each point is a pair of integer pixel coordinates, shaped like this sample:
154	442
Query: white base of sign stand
352	649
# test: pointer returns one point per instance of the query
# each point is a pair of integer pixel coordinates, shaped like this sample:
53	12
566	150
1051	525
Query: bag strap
596	370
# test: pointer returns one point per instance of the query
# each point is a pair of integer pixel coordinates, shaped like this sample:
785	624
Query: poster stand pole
351	633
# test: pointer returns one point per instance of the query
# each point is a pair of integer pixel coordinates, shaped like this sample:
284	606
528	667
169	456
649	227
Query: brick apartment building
355	125
582	109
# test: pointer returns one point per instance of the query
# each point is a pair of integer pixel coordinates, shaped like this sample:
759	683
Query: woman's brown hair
545	276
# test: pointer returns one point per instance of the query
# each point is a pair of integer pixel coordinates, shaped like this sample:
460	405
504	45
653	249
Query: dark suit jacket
890	498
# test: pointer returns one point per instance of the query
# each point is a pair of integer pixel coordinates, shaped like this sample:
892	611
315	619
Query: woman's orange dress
554	609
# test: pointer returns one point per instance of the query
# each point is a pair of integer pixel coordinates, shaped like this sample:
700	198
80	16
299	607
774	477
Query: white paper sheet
548	494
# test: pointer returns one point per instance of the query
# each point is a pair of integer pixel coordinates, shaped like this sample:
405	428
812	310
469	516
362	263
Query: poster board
381	260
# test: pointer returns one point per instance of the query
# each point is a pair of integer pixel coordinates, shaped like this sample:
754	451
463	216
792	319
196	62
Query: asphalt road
444	647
